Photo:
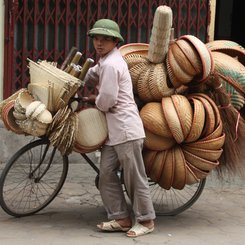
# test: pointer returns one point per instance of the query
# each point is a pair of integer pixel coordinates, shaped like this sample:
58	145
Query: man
125	136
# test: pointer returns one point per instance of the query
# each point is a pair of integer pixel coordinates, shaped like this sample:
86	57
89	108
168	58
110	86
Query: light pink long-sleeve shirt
116	99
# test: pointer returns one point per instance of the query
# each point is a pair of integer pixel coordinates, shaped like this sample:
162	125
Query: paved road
218	217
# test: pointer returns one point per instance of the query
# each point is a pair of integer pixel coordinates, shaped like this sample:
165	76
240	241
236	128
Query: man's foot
116	225
142	228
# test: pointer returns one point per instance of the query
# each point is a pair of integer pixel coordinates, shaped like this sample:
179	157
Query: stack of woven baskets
44	108
184	130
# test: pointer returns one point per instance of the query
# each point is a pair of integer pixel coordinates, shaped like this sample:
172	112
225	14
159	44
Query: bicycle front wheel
32	178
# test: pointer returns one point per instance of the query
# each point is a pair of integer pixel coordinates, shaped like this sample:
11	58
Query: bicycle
35	174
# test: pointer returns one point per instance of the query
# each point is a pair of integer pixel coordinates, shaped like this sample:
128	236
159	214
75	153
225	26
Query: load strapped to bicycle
189	95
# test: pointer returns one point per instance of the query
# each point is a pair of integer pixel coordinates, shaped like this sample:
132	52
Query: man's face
103	44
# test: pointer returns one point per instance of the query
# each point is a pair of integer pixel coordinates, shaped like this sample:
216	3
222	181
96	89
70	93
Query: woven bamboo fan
62	84
92	130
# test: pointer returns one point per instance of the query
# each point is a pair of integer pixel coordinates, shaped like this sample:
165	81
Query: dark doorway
230	21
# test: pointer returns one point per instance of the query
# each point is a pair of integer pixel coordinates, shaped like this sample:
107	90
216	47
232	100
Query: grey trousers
129	156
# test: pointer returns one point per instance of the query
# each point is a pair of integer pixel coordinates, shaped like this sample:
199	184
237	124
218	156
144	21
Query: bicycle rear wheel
32	178
173	201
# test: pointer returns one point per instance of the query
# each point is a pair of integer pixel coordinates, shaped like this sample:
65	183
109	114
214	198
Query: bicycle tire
172	202
23	190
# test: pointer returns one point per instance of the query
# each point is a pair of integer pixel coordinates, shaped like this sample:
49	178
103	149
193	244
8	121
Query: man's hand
90	99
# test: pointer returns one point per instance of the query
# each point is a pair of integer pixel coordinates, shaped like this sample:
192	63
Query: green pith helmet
106	27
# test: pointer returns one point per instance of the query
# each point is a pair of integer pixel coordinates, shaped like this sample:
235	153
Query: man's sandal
112	225
139	230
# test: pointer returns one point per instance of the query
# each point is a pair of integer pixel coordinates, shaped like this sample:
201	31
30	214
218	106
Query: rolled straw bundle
160	34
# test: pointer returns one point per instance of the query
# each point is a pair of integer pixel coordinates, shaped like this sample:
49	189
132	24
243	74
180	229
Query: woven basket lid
134	48
214	106
215	134
191	177
148	156
172	119
23	99
198	121
210	144
168	171
186	64
157	166
135	59
191	55
154	120
156	142
92	128
199	174
200	162
177	75
184	111
228	47
9	119
179	179
204	54
157	81
210	155
229	68
143	88
210	116
136	71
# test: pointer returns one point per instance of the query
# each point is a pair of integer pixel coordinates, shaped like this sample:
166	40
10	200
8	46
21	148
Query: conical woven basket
210	155
198	121
149	157
154	120
167	176
157	166
204	55
199	162
156	142
212	144
179	180
200	174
